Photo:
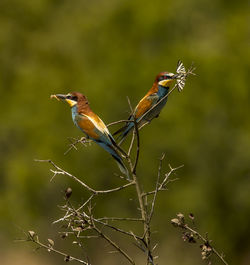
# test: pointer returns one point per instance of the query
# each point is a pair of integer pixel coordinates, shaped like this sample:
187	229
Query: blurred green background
109	50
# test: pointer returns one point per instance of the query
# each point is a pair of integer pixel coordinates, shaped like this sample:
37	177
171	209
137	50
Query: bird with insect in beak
91	125
145	111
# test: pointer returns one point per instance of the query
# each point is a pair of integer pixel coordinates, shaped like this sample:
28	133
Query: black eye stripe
72	97
163	77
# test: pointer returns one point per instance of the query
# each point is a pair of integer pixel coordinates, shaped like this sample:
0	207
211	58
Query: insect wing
181	71
180	68
181	83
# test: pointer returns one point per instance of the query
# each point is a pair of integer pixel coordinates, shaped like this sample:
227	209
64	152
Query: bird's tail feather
121	166
123	132
117	157
122	129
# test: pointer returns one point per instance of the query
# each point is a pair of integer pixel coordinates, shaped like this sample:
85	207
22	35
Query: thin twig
82	140
131	143
112	243
51	249
85	217
138	190
69	215
168	174
137	146
166	180
119	219
117	122
137	137
156	188
116	229
96	192
162	189
205	241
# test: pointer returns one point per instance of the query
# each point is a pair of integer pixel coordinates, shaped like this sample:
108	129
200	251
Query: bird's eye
167	77
74	98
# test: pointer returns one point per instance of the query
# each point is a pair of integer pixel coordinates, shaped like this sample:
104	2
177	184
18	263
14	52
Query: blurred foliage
109	50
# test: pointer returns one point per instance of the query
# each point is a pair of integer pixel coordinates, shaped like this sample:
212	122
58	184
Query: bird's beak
168	81
64	98
59	96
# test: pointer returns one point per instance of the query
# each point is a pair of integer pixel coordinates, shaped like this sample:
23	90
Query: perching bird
90	124
142	112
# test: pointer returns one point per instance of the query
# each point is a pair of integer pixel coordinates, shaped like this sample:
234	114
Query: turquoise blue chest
74	113
162	91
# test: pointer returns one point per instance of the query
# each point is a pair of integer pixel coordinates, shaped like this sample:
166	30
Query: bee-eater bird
91	125
142	113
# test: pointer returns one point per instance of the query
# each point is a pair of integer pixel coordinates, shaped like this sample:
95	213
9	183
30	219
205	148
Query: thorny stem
205	241
96	192
144	241
77	210
101	234
138	189
117	122
111	242
137	147
156	188
119	219
164	182
168	174
72	144
117	229
94	223
50	248
131	143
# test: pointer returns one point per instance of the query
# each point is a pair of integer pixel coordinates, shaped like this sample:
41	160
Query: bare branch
82	140
168	174
80	222
116	228
206	242
131	143
119	219
146	225
137	146
117	122
156	188
166	180
112	243
206	249
34	238
77	210
96	192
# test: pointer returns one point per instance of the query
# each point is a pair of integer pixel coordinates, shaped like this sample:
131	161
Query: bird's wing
142	107
93	126
145	104
87	126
